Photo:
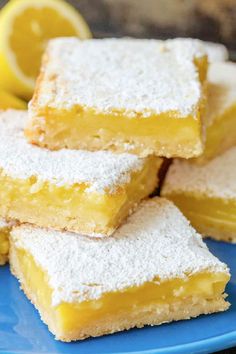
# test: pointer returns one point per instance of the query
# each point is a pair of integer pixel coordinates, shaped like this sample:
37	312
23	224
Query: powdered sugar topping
216	52
215	179
133	76
156	241
3	223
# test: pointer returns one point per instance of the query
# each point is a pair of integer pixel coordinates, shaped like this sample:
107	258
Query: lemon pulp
26	27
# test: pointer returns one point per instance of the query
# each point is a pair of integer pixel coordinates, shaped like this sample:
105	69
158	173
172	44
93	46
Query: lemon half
25	28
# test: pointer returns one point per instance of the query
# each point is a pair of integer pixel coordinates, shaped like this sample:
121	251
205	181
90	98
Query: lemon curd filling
4	244
86	129
5	229
145	114
70	318
210	216
154	269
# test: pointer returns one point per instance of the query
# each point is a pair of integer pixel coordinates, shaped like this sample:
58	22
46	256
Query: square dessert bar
220	116
206	194
5	228
155	269
124	95
81	191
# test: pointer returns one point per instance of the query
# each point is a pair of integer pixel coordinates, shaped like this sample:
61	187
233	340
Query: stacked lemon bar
154	269
120	95
90	253
206	194
75	190
204	187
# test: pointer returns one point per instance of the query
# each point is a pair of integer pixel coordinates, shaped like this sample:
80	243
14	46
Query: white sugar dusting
215	179
7	223
156	241
100	171
222	90
133	76
3	223
216	52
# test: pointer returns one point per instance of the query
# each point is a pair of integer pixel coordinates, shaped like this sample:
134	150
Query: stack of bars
93	249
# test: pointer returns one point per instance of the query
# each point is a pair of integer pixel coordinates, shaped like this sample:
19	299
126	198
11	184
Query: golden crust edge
36	135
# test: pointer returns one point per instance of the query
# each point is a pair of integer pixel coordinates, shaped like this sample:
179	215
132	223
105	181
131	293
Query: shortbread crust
87	192
120	94
206	194
155	249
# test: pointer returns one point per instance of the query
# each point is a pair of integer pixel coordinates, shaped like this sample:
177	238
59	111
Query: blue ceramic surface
22	332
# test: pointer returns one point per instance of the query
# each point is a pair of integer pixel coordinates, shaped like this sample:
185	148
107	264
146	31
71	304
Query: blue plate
21	330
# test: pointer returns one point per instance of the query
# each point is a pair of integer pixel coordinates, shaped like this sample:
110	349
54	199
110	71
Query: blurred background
212	20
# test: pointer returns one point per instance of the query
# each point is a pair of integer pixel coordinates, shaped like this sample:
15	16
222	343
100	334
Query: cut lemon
7	100
25	28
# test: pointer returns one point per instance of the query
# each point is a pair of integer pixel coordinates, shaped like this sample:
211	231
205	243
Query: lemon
8	100
25	28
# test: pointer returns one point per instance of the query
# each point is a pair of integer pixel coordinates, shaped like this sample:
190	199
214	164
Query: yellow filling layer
220	135
67	318
4	244
202	67
208	214
71	207
164	135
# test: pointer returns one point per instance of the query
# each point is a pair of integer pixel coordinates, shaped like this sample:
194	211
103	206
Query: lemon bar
5	227
206	194
220	115
137	96
154	269
81	191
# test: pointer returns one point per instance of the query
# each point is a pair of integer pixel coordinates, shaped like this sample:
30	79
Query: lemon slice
25	28
8	100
